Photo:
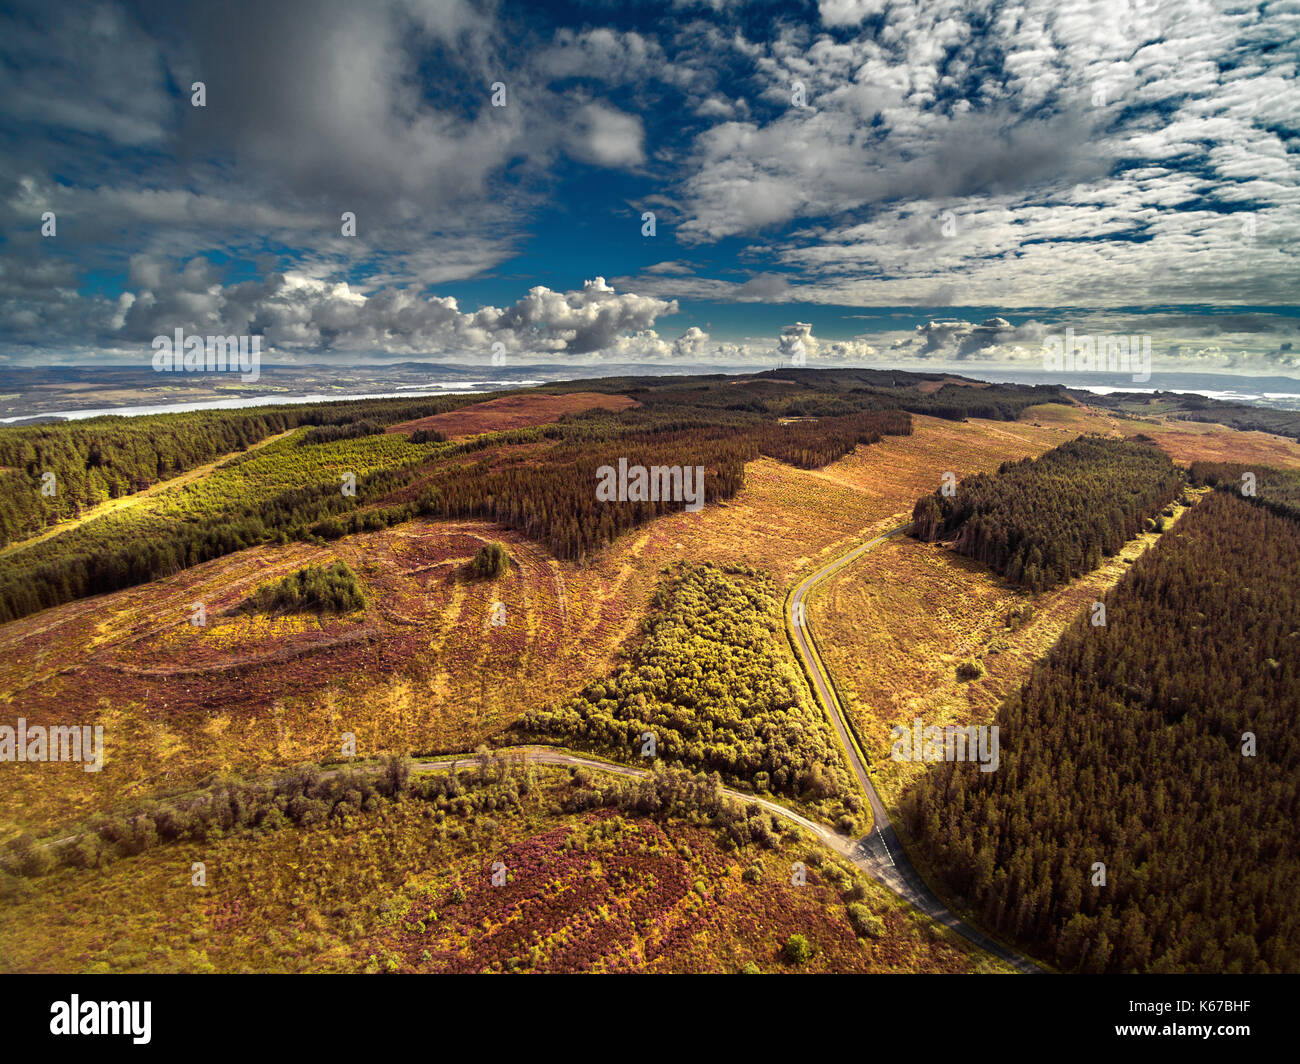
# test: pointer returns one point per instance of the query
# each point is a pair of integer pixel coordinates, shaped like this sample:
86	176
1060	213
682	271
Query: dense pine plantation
1043	521
552	498
703	680
1276	489
819	441
1126	747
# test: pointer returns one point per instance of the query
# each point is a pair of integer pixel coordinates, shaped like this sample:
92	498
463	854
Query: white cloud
608	137
848	12
296	312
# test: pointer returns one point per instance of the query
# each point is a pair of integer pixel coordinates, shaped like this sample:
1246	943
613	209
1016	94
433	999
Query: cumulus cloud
1025	156
1089	155
797	342
848	12
691	343
608	137
963	338
301	314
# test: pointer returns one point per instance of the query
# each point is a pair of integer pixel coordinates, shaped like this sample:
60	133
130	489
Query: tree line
816	443
1276	489
538	480
123	550
311	795
102	458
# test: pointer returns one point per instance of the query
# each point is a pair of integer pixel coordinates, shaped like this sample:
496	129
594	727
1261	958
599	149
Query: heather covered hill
538	479
389	870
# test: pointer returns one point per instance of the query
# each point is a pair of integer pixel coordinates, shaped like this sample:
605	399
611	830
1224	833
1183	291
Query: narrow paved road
879	853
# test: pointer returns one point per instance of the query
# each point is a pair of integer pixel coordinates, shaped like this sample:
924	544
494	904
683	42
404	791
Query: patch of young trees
489	562
103	458
1161	746
124	550
1043	521
704	682
330	588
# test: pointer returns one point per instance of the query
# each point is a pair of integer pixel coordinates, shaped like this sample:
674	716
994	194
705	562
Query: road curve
879	853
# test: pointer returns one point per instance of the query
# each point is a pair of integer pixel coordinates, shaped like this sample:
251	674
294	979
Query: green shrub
848	825
87	852
797	950
29	858
866	923
969	670
490	562
1020	615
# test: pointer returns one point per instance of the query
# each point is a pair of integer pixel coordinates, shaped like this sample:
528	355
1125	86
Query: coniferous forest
1161	745
538	480
1276	489
1041	522
107	457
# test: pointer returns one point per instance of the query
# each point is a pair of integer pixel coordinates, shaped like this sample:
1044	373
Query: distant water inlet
208	354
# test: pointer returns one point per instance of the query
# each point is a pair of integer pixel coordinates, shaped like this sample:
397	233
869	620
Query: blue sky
934	184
